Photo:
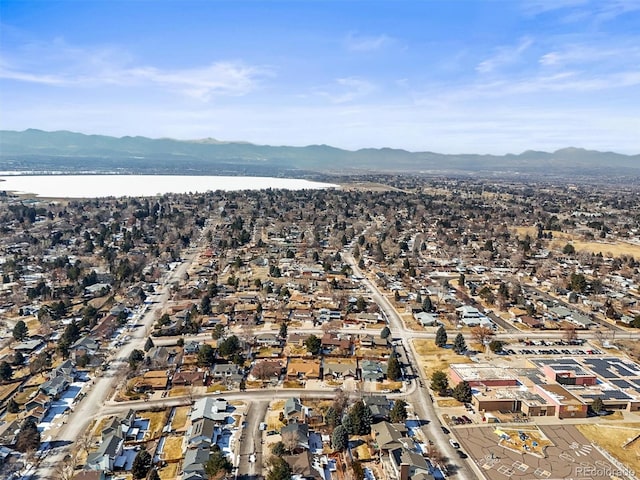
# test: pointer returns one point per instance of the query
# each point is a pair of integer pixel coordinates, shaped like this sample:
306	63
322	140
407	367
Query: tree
496	346
20	330
427	305
154	475
282	333
218	464
597	405
398	413
462	392
28	438
12	406
569	249
461	280
361	304
361	418
206	355
439	382
482	334
459	345
148	345
229	346
313	344
441	337
339	439
278	449
18	358
394	370
385	332
6	372
141	464
217	332
279	469
570	333
135	358
331	417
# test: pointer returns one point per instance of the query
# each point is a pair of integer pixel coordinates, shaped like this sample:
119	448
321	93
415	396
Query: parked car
454	444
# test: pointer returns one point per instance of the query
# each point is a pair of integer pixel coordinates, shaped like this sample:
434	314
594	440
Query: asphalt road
251	456
91	405
419	397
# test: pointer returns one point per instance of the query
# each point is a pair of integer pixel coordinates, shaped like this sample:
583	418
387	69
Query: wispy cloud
65	66
346	90
364	43
571	11
592	54
505	56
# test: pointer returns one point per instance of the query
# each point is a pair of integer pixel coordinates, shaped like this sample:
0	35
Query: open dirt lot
571	456
613	438
433	358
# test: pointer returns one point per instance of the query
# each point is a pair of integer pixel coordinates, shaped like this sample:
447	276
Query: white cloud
73	67
361	43
347	90
504	56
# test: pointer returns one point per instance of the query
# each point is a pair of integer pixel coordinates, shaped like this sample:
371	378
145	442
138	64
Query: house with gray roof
104	458
213	409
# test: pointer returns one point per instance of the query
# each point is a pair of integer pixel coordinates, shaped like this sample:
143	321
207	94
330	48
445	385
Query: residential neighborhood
426	328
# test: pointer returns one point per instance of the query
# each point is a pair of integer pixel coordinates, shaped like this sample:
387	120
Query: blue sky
446	76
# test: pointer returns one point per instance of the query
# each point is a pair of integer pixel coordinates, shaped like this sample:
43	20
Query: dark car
461	454
445	430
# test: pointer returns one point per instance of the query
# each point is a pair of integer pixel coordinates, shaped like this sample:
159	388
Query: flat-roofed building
567	405
482	375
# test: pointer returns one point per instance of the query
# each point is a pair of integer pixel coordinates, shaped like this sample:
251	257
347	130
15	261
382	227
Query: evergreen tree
340	439
597	405
384	334
12	406
313	344
18	358
229	346
331	417
6	372
217	464
439	381
148	345
398	413
394	371
141	465
20	330
154	475
427	306
459	345
206	355
361	418
462	392
441	337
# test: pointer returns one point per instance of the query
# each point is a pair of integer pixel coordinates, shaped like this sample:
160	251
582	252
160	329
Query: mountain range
62	151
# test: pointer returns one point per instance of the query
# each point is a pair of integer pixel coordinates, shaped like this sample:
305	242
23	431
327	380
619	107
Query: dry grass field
613	437
433	358
179	420
615	249
172	449
170	472
449	402
157	421
179	391
273	421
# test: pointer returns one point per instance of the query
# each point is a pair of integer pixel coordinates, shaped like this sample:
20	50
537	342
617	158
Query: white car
453	443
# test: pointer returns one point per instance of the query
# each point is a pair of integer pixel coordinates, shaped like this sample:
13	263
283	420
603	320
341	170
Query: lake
92	186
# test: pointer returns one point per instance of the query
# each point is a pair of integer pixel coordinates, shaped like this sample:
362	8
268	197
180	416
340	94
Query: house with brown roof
303	369
185	378
152	380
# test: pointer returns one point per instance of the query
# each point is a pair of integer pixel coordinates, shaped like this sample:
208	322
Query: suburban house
303	369
105	457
